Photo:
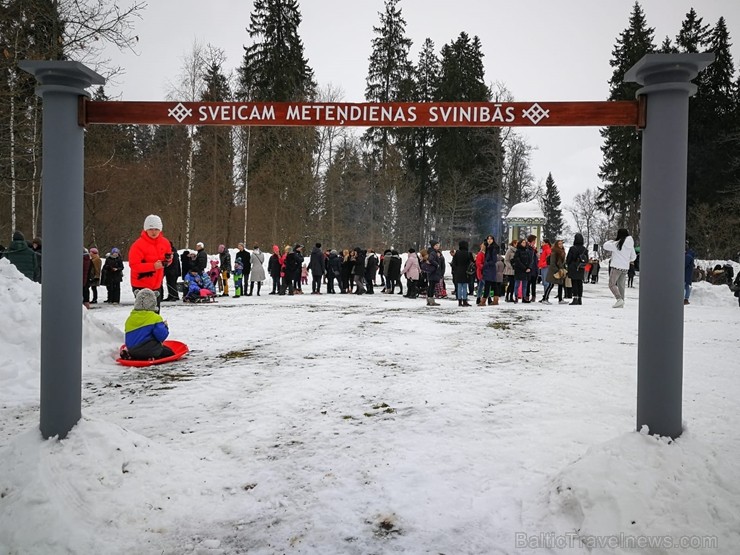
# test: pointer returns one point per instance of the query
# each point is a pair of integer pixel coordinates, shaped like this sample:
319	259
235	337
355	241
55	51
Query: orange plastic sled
178	347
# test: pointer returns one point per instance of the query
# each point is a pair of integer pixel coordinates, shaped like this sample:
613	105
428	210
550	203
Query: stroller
199	288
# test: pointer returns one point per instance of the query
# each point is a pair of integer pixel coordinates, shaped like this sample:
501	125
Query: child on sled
199	287
145	329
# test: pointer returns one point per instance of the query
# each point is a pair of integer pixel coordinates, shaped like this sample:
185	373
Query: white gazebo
525	218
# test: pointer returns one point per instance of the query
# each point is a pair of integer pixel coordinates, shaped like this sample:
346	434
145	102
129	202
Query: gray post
666	79
62	186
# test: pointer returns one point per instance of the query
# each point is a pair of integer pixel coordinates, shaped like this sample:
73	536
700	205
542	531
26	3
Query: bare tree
49	30
589	220
518	181
189	88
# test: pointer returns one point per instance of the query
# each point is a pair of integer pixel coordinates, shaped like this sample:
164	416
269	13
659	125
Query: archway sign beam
347	114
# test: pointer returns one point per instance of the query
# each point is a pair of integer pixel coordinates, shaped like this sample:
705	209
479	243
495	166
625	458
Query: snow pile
100	478
704	293
636	488
20	328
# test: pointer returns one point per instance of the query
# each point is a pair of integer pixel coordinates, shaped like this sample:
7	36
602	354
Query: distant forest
382	187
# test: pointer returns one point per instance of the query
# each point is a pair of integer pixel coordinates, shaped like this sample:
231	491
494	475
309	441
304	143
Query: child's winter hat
114	250
146	299
152	222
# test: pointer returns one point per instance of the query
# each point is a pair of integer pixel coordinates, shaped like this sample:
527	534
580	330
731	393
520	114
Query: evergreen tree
713	180
278	160
468	161
422	164
390	73
620	171
390	78
213	194
713	143
551	208
693	35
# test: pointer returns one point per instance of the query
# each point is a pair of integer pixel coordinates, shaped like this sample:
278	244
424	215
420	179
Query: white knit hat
153	222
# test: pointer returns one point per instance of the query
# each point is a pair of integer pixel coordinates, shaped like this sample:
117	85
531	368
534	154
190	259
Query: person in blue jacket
145	329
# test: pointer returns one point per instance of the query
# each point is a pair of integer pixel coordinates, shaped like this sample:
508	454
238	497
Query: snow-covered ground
339	424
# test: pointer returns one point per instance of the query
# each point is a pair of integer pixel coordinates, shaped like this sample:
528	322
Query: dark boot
574	301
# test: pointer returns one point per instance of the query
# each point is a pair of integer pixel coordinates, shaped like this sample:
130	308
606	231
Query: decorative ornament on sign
535	113
179	112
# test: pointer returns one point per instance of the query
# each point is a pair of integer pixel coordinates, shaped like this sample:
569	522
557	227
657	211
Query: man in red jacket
148	256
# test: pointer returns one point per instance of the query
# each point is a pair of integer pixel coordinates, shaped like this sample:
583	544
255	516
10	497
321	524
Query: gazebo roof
526	212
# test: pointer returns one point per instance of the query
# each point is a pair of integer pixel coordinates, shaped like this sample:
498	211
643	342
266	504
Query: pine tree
713	181
711	139
551	208
422	165
390	78
214	160
280	159
390	73
468	161
620	171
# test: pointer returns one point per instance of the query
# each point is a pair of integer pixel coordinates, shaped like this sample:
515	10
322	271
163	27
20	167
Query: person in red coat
148	256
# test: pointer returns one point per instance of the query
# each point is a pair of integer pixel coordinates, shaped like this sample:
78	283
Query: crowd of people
511	272
493	272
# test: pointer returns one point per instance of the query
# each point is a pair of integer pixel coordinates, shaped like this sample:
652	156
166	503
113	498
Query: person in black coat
243	255
333	271
273	268
434	271
201	259
299	258
171	274
358	270
575	262
347	266
522	263
461	260
186	262
394	272
371	270
113	269
317	267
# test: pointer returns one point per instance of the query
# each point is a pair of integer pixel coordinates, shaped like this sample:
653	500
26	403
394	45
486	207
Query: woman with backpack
576	262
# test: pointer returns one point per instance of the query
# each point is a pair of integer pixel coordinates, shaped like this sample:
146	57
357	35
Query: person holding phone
148	257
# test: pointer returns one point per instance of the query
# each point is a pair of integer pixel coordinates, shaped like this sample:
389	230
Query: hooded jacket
141	258
573	260
23	257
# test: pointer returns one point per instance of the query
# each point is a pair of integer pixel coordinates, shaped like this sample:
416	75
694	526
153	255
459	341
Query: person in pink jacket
411	271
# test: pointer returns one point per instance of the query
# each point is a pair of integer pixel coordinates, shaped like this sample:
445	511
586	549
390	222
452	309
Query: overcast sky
540	49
